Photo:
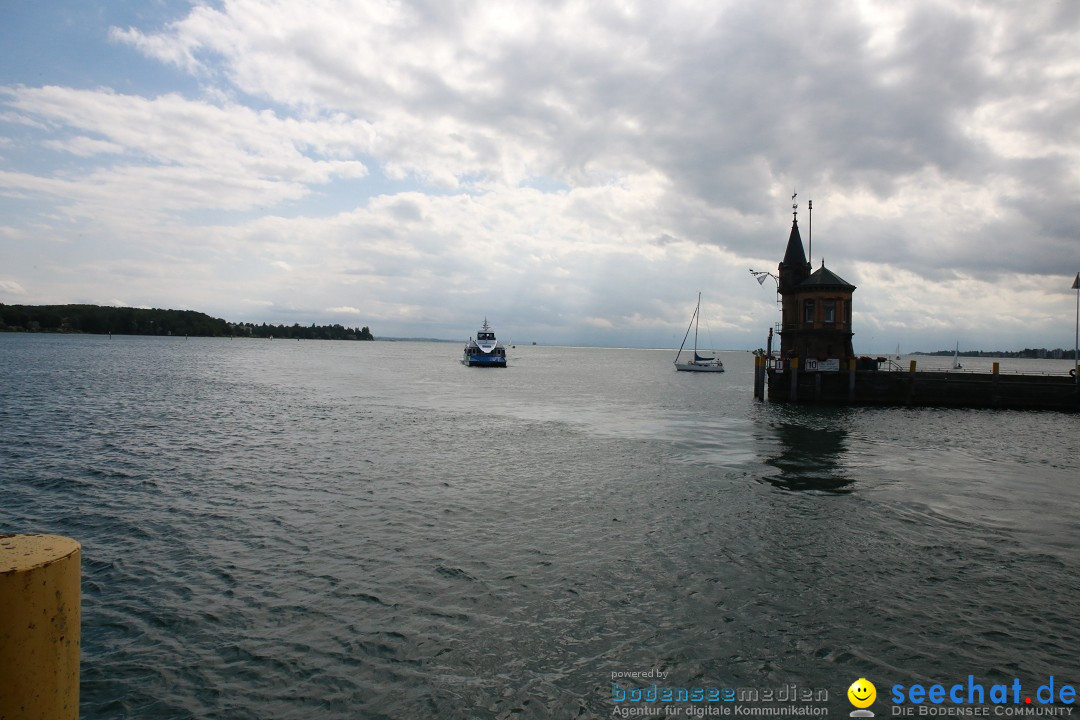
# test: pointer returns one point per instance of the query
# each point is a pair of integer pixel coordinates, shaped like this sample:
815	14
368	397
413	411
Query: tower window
830	311
808	311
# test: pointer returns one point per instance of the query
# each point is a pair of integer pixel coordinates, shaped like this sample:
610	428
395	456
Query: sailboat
956	359
700	363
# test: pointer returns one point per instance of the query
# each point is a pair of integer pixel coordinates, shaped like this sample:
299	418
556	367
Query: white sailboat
700	363
956	359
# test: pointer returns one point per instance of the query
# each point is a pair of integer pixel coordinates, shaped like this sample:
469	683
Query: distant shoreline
108	320
1030	353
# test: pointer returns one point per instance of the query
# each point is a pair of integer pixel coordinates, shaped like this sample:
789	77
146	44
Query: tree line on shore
102	320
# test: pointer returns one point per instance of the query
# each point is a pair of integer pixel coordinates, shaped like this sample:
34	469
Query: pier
787	382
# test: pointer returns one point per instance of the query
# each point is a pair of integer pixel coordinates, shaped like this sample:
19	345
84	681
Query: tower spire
793	268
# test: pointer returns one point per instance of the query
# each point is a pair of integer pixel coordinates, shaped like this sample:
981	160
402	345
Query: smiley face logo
862	693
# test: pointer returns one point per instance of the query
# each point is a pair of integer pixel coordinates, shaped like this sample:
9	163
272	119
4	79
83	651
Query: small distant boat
485	350
956	359
700	363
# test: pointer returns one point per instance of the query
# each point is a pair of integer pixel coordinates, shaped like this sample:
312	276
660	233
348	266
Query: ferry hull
484	361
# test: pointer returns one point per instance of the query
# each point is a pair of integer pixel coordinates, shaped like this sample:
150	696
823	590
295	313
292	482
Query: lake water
281	529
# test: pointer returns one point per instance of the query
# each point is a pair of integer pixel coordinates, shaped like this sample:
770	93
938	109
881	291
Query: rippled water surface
277	529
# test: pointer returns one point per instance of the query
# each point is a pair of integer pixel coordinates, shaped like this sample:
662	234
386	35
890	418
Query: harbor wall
913	388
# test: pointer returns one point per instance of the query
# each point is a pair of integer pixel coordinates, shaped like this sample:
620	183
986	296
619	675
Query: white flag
1076	282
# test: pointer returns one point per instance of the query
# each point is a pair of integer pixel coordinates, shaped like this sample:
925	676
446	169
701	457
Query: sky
574	171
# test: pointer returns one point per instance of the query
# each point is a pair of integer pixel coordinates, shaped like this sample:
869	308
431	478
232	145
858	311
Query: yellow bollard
39	626
996	368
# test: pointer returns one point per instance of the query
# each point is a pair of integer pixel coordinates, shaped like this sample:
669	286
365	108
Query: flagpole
1076	337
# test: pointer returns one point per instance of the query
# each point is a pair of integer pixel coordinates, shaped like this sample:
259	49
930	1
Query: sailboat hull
705	366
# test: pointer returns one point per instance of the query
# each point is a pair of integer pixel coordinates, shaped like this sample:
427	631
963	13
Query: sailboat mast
697	310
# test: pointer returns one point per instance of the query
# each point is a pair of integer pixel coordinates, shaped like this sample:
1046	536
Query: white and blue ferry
485	350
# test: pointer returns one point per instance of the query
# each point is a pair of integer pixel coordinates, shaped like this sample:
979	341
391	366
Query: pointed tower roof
795	255
825	279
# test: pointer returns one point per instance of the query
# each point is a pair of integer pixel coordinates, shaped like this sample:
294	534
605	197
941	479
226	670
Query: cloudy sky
574	171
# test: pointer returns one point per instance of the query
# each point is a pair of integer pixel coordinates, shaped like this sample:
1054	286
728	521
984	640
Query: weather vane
794	205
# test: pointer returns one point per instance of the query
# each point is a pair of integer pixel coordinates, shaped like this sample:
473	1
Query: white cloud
84	146
10	287
190	155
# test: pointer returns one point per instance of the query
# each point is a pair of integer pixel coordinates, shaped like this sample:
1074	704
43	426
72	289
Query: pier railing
890	365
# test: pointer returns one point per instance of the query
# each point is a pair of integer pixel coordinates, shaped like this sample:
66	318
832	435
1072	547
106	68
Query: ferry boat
485	350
